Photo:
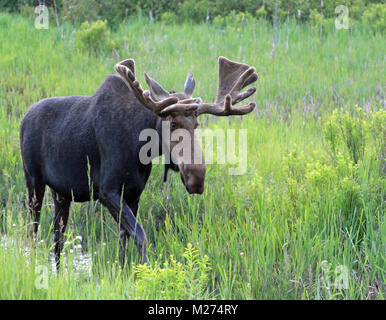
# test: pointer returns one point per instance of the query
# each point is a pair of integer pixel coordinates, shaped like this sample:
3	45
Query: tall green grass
266	233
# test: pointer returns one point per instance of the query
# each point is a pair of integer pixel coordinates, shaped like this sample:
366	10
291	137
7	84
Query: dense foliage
373	12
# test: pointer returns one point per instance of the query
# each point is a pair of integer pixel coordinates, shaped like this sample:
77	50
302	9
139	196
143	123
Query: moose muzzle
193	177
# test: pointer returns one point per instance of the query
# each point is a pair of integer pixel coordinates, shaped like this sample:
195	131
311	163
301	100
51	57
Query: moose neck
163	129
159	131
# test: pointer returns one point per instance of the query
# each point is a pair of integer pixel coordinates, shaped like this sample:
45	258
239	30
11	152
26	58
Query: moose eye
173	124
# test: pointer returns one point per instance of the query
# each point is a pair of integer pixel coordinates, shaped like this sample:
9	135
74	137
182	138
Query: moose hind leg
35	195
61	213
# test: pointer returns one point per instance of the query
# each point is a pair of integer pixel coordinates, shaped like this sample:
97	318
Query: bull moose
89	145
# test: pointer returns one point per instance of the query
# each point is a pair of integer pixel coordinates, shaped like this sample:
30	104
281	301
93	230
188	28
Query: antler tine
130	63
236	93
186	105
126	69
225	109
233	77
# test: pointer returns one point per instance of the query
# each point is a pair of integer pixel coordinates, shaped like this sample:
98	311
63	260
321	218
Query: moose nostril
197	191
200	190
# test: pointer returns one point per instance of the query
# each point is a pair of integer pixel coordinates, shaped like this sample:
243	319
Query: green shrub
353	134
76	12
168	18
175	280
26	11
234	19
193	10
349	129
243	17
114	12
219	21
319	182
331	133
93	36
343	181
378	131
319	23
295	164
261	13
375	17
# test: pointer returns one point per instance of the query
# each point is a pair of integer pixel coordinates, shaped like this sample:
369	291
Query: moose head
180	110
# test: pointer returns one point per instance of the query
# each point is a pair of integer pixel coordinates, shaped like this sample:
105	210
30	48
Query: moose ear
189	84
156	91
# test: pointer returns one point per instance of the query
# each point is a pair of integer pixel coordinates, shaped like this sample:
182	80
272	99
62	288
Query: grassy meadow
308	214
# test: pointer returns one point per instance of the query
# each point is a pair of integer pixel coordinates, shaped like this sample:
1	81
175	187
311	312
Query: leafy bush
319	182
193	10
243	17
219	21
378	131
93	36
175	280
375	17
76	12
319	23
261	13
342	181
235	19
349	129
168	18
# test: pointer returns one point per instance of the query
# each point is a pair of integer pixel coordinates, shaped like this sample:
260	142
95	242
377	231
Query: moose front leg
122	247
126	220
123	234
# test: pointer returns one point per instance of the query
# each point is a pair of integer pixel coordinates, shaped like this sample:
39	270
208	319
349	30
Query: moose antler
126	70
233	77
